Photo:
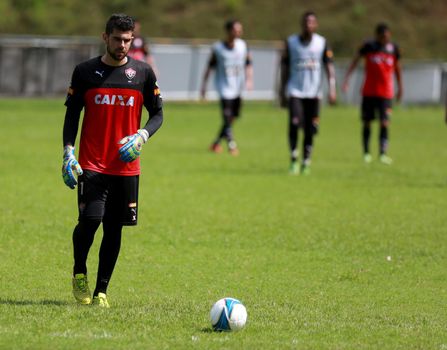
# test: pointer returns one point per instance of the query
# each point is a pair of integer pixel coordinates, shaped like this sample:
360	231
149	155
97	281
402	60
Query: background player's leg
385	111
224	130
367	110
383	138
293	138
309	132
366	135
383	143
311	119
221	135
83	236
108	254
308	143
230	110
295	114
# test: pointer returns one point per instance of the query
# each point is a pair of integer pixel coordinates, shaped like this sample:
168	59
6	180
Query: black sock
83	236
365	137
308	142
383	139
108	255
293	141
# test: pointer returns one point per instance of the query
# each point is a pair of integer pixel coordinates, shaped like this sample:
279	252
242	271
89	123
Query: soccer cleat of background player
381	65
69	166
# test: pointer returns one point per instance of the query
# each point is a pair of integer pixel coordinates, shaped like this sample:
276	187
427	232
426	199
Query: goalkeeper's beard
118	55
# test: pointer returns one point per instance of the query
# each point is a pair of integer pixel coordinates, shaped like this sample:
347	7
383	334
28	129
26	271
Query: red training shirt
380	64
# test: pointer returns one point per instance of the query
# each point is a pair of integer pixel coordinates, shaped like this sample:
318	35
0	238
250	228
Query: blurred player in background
112	89
446	109
381	65
139	49
302	62
233	72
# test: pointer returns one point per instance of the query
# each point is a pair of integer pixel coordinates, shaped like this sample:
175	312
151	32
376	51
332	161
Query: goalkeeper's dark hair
230	24
121	22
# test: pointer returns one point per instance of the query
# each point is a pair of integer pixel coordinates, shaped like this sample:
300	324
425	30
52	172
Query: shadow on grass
207	330
33	302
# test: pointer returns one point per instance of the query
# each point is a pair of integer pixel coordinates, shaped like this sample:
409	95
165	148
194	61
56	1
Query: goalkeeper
112	89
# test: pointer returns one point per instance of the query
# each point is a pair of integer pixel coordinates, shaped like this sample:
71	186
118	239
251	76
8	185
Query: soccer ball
228	314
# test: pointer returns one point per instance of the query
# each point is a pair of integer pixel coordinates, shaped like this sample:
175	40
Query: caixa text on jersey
115	100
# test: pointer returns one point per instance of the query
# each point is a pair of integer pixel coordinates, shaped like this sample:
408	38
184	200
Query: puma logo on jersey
100	73
115	100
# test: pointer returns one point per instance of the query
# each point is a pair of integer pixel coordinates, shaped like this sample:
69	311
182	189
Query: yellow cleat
101	300
81	292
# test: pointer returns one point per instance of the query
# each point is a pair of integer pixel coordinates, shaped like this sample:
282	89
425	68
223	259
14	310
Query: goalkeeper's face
118	44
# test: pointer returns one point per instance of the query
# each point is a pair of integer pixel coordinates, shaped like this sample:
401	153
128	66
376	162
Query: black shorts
304	110
371	105
108	196
231	108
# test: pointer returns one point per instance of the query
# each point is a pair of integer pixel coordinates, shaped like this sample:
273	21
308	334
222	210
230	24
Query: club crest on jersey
115	100
130	73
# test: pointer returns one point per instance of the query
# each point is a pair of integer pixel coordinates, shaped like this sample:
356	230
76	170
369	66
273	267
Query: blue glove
70	165
132	145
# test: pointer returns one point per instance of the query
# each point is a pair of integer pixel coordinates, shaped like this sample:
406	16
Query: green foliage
233	5
416	25
9	18
351	257
358	10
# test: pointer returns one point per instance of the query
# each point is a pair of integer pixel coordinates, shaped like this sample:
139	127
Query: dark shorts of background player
305	109
371	105
231	108
109	197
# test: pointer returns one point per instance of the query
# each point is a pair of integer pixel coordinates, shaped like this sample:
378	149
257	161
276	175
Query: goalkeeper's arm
70	165
71	125
154	123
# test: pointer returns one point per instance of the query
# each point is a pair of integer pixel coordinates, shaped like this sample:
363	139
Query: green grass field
353	256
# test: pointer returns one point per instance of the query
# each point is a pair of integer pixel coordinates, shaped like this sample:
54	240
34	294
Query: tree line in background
418	26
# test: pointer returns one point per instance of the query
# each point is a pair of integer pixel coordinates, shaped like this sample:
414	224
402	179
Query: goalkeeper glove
70	165
132	145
